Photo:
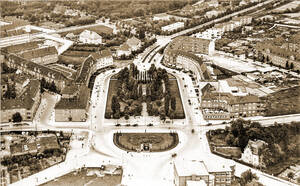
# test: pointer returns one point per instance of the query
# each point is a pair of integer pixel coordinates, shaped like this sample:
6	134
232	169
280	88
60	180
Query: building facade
252	151
172	27
26	104
90	37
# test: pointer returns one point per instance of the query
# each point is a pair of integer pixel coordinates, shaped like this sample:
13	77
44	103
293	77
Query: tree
287	65
173	103
292	66
247	177
17	117
290	175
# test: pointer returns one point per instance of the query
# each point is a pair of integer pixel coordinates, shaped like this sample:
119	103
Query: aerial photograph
150	92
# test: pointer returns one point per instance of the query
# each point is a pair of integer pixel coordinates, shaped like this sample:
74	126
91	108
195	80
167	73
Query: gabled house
252	152
90	37
134	43
124	49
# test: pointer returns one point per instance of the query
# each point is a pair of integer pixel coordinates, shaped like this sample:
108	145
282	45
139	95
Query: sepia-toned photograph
150	92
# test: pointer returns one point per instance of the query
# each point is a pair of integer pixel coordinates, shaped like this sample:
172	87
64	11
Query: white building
173	26
251	153
124	49
190	170
161	17
90	37
134	43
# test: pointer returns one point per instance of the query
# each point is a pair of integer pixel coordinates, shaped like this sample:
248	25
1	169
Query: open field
80	178
179	113
283	102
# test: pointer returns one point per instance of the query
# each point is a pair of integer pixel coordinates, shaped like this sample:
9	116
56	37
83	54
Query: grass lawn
70	60
98	29
234	152
283	102
133	141
81	178
179	113
112	90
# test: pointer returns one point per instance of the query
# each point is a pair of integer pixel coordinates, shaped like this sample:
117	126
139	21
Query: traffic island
146	142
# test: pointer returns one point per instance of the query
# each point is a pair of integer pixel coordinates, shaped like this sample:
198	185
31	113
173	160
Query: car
135	125
118	124
209	124
127	125
174	72
150	125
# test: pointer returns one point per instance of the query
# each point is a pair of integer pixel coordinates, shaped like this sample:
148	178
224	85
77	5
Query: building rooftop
190	167
25	100
22	47
133	41
82	76
36	67
41	52
78	102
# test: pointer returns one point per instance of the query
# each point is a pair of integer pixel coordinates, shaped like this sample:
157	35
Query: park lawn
283	102
112	90
233	152
174	89
81	178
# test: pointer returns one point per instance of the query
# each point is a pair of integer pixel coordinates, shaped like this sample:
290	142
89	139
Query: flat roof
190	167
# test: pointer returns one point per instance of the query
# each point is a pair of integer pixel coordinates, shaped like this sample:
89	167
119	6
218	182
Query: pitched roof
133	41
90	34
82	76
25	100
19	61
124	47
207	89
22	47
245	99
256	145
79	102
40	52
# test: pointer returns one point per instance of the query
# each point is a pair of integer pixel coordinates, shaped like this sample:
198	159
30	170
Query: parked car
150	125
117	125
127	125
135	125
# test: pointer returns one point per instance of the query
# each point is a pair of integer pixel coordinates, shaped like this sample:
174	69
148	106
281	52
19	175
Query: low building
90	37
123	50
189	170
161	17
73	106
26	104
134	43
172	27
252	152
42	56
